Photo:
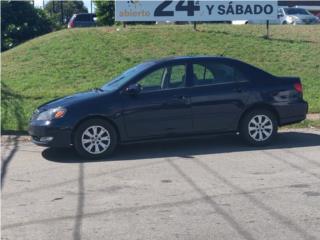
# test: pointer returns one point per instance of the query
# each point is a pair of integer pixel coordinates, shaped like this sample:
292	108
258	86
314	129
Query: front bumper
303	22
44	134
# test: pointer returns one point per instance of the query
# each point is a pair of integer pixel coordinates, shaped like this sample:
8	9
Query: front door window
168	77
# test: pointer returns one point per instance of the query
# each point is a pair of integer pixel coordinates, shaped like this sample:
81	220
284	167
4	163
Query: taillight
71	24
298	87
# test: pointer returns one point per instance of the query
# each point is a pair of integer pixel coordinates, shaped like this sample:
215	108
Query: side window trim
205	73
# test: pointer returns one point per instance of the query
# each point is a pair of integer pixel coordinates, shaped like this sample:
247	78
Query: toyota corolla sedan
172	98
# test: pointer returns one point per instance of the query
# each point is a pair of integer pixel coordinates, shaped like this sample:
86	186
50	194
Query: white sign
136	10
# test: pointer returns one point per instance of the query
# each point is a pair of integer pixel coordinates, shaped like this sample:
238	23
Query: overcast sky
87	3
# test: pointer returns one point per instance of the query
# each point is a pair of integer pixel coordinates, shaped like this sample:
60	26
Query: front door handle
177	101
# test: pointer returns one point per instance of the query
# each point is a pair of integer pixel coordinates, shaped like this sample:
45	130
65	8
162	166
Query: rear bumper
49	136
292	113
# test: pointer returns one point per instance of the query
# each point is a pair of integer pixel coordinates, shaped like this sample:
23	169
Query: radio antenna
223	53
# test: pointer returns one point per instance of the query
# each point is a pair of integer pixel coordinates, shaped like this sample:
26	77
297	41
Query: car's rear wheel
259	127
95	138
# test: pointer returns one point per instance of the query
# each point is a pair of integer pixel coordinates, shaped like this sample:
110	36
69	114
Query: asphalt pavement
210	188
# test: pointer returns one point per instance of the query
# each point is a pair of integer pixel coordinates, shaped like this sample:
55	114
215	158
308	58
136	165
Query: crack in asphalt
273	213
227	217
293	165
92	176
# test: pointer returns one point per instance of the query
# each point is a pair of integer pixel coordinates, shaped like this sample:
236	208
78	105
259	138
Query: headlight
53	113
292	18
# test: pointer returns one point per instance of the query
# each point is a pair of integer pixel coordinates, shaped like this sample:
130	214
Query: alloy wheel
260	128
95	139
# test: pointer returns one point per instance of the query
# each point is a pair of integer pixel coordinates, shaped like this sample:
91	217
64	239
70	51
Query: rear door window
211	73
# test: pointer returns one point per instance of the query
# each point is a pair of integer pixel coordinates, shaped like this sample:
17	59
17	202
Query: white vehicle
296	16
289	15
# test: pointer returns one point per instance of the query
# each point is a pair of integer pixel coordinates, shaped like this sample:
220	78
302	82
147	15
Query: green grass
68	61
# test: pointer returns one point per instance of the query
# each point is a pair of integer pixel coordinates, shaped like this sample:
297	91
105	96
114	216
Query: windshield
125	76
295	11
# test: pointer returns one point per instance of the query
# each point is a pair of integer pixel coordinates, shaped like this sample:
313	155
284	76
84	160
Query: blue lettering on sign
238	9
210	8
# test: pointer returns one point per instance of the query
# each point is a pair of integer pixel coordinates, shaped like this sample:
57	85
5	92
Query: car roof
186	58
199	58
77	14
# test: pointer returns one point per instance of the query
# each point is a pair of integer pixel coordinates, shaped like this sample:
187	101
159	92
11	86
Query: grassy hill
68	61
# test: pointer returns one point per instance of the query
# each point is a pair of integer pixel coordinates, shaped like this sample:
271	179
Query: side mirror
133	89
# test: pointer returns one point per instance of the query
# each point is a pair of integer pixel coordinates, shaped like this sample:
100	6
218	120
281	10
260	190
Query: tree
20	21
105	12
53	8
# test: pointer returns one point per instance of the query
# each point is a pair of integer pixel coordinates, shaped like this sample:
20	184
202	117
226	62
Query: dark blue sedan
172	98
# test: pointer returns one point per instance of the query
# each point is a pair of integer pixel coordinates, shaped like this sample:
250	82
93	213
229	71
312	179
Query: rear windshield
84	17
295	11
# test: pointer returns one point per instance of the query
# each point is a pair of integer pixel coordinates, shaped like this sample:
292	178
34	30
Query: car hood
69	100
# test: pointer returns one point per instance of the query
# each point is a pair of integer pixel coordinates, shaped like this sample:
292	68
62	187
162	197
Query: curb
313	116
14	138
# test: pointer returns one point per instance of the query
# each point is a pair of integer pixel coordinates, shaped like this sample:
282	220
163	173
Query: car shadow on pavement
187	148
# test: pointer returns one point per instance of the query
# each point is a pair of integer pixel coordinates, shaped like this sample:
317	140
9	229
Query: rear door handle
181	97
238	89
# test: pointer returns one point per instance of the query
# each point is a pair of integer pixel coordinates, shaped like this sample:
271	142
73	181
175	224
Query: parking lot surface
212	188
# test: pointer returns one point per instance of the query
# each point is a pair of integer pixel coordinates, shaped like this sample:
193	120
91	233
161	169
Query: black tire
267	131
81	136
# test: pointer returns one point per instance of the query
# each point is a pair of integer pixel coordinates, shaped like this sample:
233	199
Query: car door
162	107
217	98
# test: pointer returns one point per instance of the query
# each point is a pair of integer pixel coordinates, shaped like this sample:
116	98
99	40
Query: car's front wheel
259	127
95	138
